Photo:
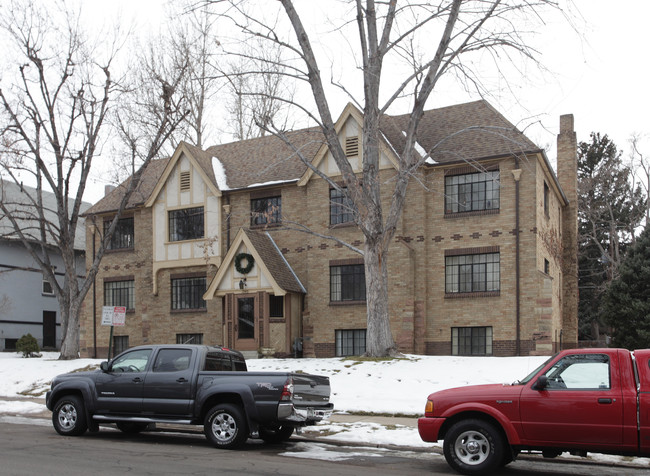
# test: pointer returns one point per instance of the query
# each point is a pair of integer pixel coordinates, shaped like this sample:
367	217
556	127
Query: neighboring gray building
27	300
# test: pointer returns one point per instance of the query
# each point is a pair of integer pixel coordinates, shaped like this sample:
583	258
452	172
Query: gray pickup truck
192	385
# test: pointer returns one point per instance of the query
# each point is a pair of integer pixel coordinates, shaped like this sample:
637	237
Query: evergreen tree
609	211
627	301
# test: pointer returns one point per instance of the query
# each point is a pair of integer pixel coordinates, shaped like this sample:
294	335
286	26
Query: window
266	211
218	362
472	192
582	371
120	344
472	273
187	293
547	267
123	236
189	339
186	224
347	283
350	342
172	360
471	341
135	361
340	207
119	293
546	194
46	288
276	306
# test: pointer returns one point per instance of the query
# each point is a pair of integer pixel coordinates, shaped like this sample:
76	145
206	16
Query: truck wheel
69	416
225	426
473	447
276	434
130	427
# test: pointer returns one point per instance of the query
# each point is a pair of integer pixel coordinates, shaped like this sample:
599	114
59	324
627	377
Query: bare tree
640	165
258	93
55	118
420	43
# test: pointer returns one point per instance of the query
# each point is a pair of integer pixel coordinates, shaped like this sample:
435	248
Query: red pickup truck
579	400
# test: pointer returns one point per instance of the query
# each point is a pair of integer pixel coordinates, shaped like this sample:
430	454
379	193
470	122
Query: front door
49	329
246	319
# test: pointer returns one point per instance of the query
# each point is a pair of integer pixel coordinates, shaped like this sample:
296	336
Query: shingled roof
274	261
470	131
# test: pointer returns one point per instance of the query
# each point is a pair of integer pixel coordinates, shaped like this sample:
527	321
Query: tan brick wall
422	316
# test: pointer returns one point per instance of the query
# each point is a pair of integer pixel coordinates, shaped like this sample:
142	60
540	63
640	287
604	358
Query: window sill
347	224
481	294
188	311
266	225
191	240
117	250
473	213
347	303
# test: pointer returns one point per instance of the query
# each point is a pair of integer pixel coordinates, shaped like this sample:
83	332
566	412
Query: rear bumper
429	428
289	412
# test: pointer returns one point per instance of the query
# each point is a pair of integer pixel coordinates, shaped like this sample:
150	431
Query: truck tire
276	434
474	447
69	416
225	426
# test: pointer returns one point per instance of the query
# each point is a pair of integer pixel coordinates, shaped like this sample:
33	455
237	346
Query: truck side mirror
104	366
542	383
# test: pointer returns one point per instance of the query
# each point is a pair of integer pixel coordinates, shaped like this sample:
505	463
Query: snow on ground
390	387
397	386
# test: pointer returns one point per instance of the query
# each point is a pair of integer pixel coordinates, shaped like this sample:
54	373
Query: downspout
94	302
517	176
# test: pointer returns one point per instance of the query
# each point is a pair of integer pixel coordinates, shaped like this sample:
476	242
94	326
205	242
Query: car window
135	361
172	360
217	362
580	372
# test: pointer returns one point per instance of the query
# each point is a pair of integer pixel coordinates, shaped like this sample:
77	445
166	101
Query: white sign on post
113	316
119	316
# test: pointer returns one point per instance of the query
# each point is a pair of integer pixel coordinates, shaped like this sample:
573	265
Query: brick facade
532	312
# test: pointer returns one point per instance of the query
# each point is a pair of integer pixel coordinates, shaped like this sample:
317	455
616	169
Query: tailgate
310	390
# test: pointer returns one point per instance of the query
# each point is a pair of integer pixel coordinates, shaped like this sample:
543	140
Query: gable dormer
349	128
185	206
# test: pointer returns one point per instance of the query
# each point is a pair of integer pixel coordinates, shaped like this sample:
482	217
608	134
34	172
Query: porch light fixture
242	283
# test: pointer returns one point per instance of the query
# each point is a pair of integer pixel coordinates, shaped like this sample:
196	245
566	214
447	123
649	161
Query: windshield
530	376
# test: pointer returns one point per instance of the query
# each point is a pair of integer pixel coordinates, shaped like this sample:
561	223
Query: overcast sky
598	73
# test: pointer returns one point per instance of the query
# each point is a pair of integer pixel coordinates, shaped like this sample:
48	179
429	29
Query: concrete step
250	354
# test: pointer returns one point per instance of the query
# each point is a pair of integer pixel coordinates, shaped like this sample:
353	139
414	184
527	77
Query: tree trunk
379	339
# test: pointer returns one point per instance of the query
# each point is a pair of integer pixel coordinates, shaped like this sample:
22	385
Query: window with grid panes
276	306
119	293
348	283
472	192
189	339
265	211
340	207
120	344
472	273
123	236
187	293
350	342
186	224
471	340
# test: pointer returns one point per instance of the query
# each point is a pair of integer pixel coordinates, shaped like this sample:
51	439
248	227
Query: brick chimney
567	171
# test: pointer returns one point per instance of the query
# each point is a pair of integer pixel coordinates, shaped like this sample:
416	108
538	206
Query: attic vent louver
351	146
185	182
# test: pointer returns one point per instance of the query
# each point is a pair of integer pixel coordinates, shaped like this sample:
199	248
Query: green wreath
250	261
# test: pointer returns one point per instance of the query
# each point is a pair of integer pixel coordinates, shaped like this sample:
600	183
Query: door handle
137	380
181	380
605	401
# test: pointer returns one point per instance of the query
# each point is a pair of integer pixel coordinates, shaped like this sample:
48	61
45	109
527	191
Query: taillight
428	409
287	391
